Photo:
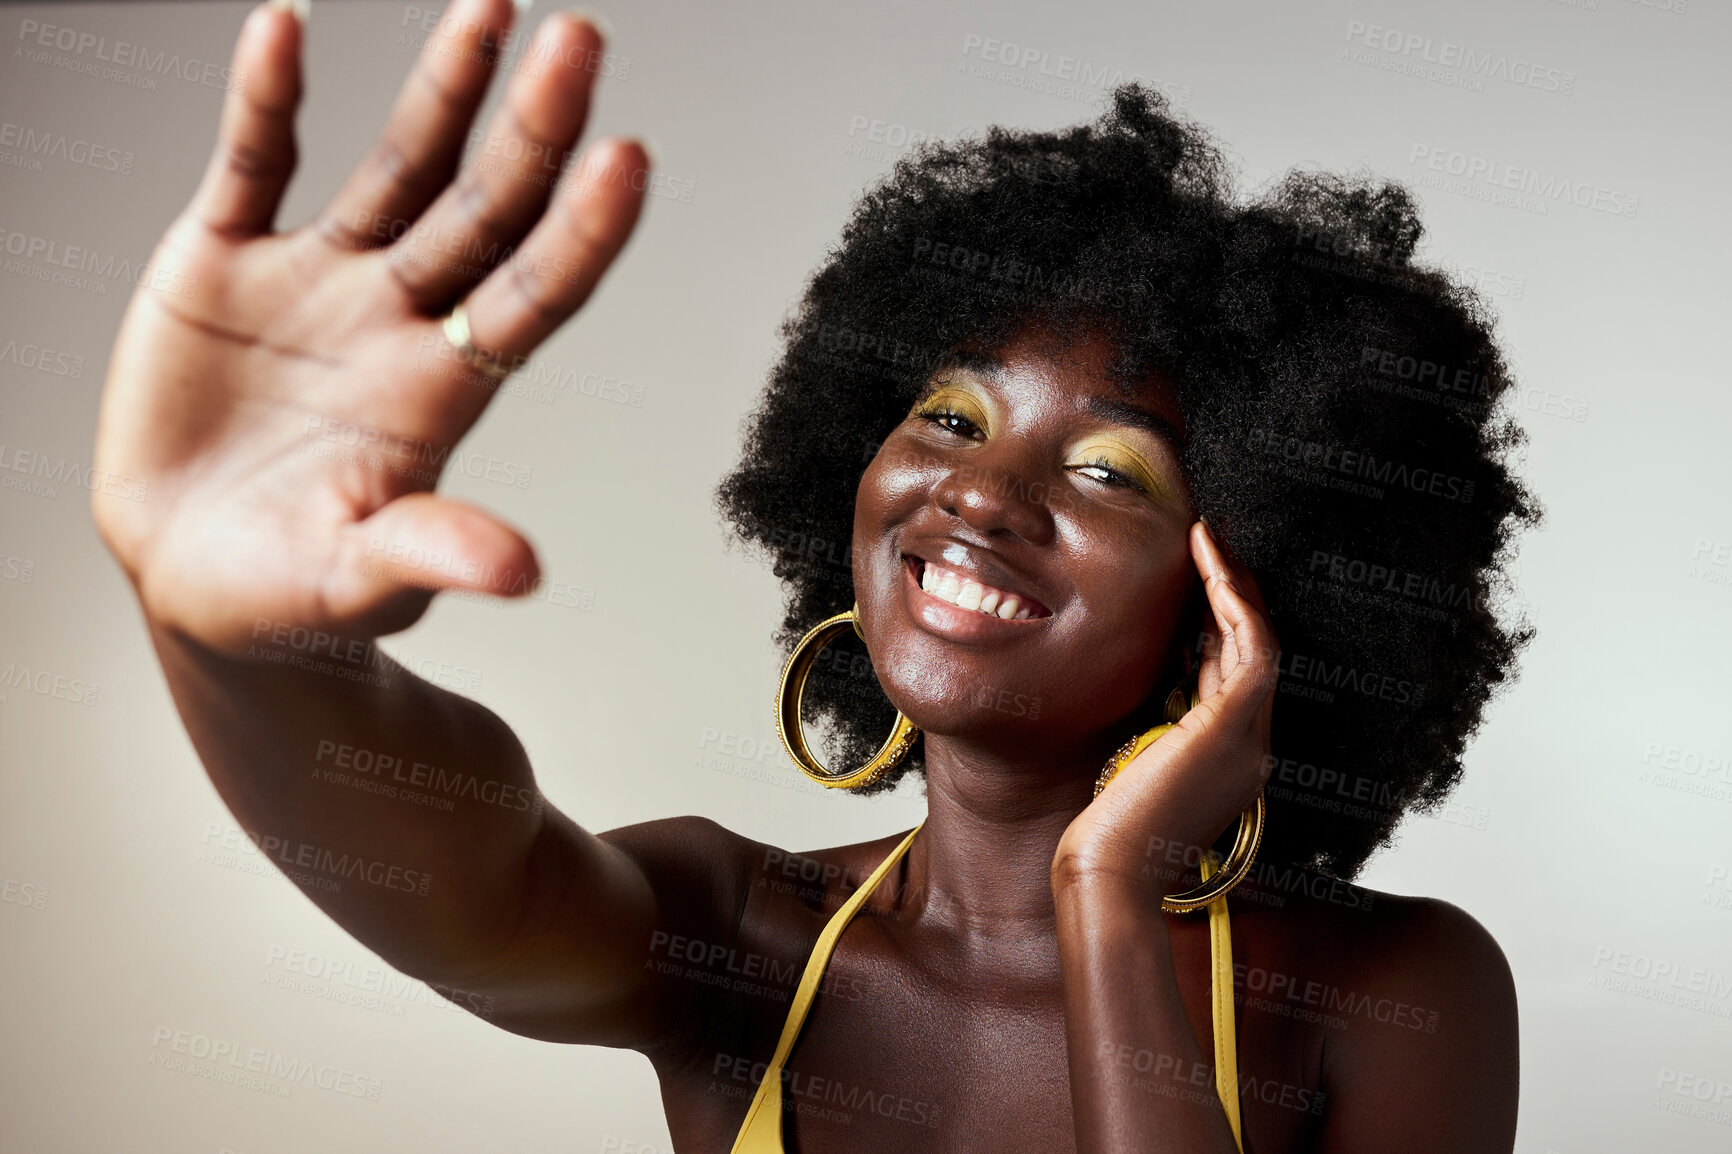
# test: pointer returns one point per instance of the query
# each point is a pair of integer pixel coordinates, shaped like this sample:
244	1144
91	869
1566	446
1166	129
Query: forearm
404	811
1138	1080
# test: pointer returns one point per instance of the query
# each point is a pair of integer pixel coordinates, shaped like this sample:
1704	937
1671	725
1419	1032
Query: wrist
1086	880
1110	912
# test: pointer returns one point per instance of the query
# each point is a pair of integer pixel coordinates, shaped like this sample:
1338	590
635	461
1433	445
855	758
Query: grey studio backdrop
1565	157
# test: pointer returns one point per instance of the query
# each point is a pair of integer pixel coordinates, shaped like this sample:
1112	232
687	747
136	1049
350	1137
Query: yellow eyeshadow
949	399
1121	458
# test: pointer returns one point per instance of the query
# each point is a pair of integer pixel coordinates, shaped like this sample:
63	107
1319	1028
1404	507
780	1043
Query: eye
951	421
1102	470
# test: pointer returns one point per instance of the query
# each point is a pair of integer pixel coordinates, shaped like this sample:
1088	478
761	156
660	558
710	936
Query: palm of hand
289	416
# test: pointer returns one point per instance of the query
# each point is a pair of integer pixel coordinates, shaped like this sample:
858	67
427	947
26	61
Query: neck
984	854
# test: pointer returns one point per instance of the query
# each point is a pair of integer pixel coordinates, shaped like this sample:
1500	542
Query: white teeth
967	593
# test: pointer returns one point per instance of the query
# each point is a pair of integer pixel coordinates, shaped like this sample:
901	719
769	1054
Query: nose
995	492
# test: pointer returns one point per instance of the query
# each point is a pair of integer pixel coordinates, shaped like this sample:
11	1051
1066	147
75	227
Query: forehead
1082	371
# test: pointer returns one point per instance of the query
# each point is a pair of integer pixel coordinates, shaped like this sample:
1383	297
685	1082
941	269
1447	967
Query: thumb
389	566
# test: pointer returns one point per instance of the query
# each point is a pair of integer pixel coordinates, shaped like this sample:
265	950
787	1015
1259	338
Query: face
1021	554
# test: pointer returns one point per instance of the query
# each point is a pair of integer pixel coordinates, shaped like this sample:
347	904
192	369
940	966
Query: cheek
890	488
1133	605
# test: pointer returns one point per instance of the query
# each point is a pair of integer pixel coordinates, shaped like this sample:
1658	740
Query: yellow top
762	1131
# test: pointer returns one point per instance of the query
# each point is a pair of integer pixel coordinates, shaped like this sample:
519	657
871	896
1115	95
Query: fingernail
601	23
301	8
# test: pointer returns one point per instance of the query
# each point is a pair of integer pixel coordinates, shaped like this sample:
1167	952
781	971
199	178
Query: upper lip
984	565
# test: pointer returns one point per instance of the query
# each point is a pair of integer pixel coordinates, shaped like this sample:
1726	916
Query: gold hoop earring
1237	864
792	691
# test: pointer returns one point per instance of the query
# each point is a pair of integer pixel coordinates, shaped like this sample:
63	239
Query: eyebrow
990	369
1137	417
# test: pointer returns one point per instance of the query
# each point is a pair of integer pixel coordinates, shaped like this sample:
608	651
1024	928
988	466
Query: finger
1249	655
422	543
561	262
255	150
418	152
475	221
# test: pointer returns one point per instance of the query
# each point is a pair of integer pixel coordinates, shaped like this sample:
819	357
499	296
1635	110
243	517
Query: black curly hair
1343	428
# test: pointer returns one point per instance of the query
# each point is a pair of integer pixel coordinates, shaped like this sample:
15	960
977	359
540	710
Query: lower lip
954	622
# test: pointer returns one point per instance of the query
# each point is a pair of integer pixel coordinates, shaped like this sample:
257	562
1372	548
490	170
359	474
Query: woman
1032	369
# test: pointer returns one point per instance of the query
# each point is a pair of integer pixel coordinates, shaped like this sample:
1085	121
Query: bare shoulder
1434	949
735	920
1416	1006
699	869
1445	962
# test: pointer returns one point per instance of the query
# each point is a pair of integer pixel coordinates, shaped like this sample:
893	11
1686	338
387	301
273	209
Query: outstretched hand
286	410
1173	799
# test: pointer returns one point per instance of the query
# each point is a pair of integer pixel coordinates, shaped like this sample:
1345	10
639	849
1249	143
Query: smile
962	607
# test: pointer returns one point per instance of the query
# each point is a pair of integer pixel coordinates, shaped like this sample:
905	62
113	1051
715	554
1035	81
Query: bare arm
1120	992
283	403
1138	1079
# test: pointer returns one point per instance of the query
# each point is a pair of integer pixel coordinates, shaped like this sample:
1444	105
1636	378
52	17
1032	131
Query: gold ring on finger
458	336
